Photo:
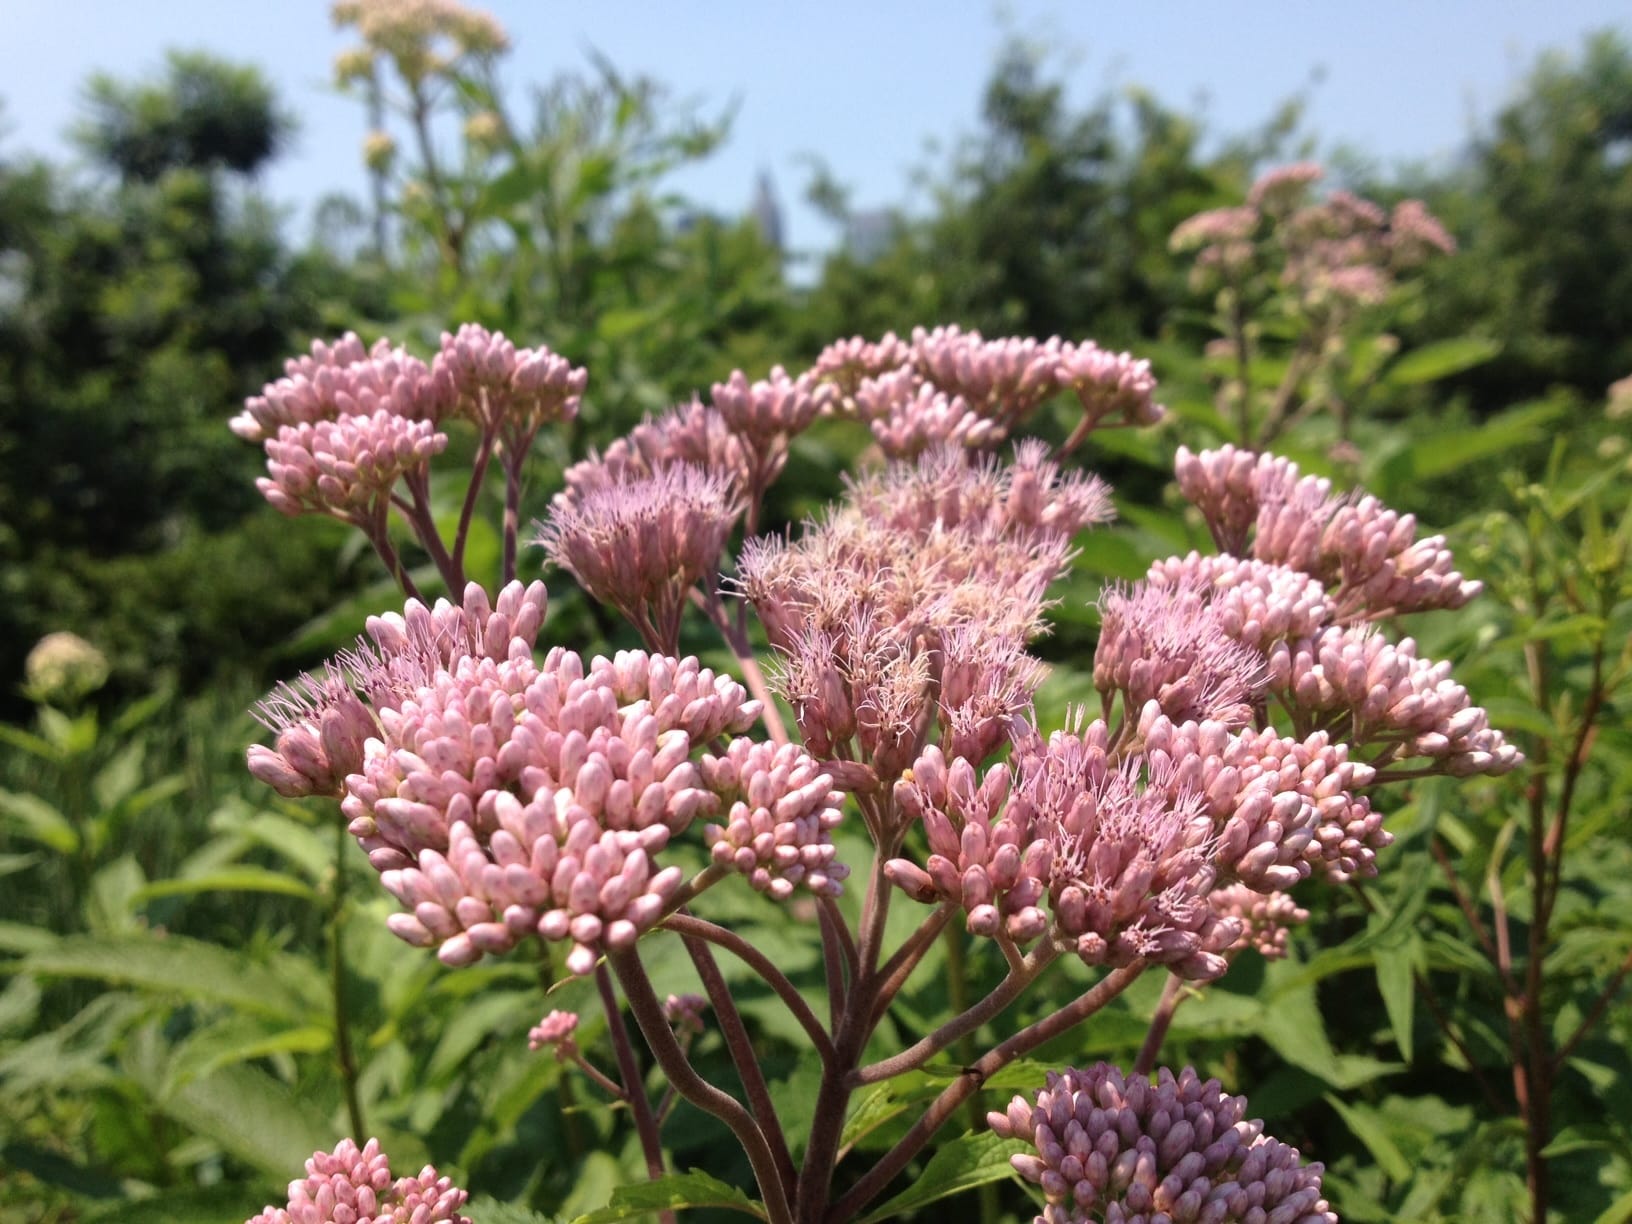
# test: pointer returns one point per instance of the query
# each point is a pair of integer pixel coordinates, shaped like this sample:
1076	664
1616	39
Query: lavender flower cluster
1120	1150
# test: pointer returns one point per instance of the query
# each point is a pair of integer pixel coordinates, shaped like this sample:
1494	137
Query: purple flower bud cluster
782	810
353	1185
509	390
1115	1149
845	364
1105	859
345	379
768	410
321	727
955	387
1266	918
1280	806
1382	693
556	1032
344	467
641	543
1167	644
1330	255
685	1012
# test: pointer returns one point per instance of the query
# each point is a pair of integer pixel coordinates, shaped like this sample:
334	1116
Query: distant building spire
767	211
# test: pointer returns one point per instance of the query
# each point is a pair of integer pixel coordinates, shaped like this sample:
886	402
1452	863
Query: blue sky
866	87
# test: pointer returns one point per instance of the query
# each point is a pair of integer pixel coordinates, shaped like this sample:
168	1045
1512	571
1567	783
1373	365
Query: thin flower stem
1160	1022
648	1013
634	1086
1027	1039
833	966
473	492
736	641
512	512
343	1052
692	888
743	1057
600	1078
846	940
690	927
418	515
380	538
1001	996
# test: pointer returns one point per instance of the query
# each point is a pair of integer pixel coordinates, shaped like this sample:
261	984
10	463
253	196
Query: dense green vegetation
182	956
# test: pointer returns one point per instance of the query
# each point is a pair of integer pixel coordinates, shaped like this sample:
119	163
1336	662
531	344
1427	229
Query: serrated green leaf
37	820
1395	966
228	879
252	1116
1373	1132
243	1039
677	1191
190	968
968	1161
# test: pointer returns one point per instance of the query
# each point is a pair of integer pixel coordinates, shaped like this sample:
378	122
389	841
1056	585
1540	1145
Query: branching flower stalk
1252	699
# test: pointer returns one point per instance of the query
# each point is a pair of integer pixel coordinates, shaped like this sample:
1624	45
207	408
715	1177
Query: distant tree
1544	209
201	114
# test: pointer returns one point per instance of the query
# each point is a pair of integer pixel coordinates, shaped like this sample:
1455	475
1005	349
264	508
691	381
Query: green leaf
252	1116
970	1160
57	1170
679	1190
11	864
490	1211
120	776
242	1039
1618	1212
29	743
190	968
20	937
36	819
229	879
1394	965
210	1205
1373	1132
1441	359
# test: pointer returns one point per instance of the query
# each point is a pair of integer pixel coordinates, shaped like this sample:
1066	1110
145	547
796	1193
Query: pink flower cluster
912	603
500	797
1168	644
1323	567
1330	254
556	1033
344	466
345	424
1107	859
777	827
1111	1149
955	386
353	1185
641	543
